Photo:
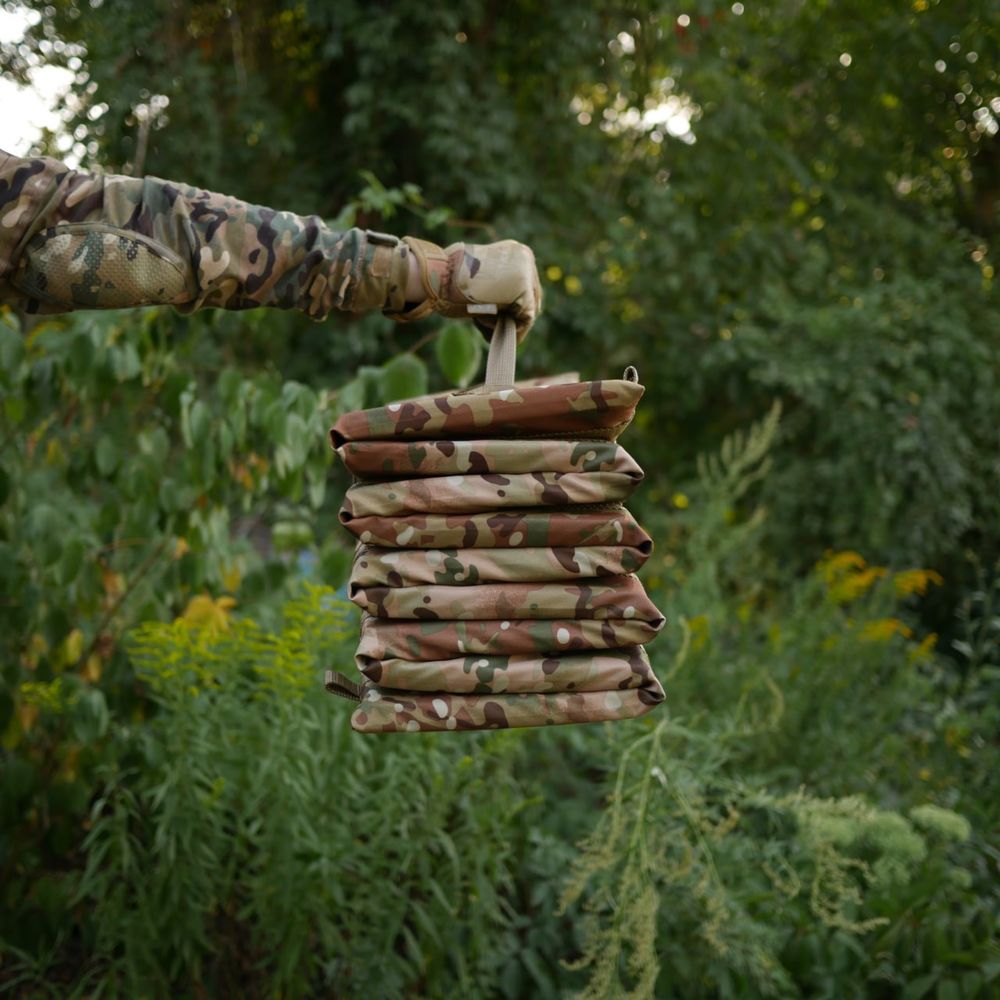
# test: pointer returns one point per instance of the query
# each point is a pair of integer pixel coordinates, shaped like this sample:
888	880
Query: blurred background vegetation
783	212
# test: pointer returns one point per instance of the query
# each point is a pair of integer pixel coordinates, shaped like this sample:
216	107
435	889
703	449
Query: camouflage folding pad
513	529
602	409
609	597
385	710
369	460
609	670
474	494
409	639
379	567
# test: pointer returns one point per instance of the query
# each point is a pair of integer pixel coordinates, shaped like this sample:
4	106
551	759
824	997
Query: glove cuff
434	268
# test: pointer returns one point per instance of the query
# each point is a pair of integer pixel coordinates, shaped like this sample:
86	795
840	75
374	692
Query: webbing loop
501	360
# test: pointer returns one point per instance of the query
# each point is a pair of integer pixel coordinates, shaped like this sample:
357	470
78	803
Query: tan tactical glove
465	279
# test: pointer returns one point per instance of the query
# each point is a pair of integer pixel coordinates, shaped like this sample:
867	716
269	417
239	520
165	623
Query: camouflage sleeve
74	240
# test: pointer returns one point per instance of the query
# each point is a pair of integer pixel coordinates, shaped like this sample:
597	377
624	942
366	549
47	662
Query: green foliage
459	351
737	856
404	377
139	475
245	842
697	876
777	200
769	208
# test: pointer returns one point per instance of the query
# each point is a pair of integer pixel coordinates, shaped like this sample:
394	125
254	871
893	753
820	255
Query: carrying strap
502	358
337	683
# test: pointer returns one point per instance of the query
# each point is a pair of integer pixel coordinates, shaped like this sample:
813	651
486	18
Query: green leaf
125	362
351	396
201	421
46	525
459	351
90	715
289	536
919	987
274	419
11	348
70	561
106	454
155	443
402	378
81	356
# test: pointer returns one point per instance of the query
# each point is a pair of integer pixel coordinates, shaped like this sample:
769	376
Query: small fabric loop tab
342	686
502	359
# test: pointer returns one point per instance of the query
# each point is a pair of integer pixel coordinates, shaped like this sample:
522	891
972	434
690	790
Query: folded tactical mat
474	494
602	409
409	639
513	529
611	670
495	560
386	710
381	567
369	460
607	597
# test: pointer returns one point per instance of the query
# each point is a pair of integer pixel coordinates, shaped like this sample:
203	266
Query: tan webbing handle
501	360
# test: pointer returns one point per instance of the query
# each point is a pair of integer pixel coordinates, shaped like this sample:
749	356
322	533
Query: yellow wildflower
204	611
924	650
883	629
850	587
916	581
835	564
698	627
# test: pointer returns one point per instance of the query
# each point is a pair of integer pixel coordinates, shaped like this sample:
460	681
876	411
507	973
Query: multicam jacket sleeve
71	239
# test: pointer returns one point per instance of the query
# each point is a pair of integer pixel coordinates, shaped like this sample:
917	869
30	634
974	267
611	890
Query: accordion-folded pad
386	710
612	597
465	494
385	638
609	670
603	409
495	562
380	567
500	529
372	460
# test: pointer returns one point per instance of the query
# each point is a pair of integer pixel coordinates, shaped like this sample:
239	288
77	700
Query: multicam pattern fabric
609	597
370	460
613	670
497	573
599	409
378	567
382	638
514	529
70	239
464	273
474	494
391	711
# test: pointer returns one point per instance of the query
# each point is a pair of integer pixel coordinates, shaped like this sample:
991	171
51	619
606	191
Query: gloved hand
465	274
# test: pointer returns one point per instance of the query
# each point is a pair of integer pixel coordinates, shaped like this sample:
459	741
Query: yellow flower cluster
848	576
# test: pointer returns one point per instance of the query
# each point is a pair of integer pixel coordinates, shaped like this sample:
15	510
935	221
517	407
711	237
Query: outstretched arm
71	239
75	240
